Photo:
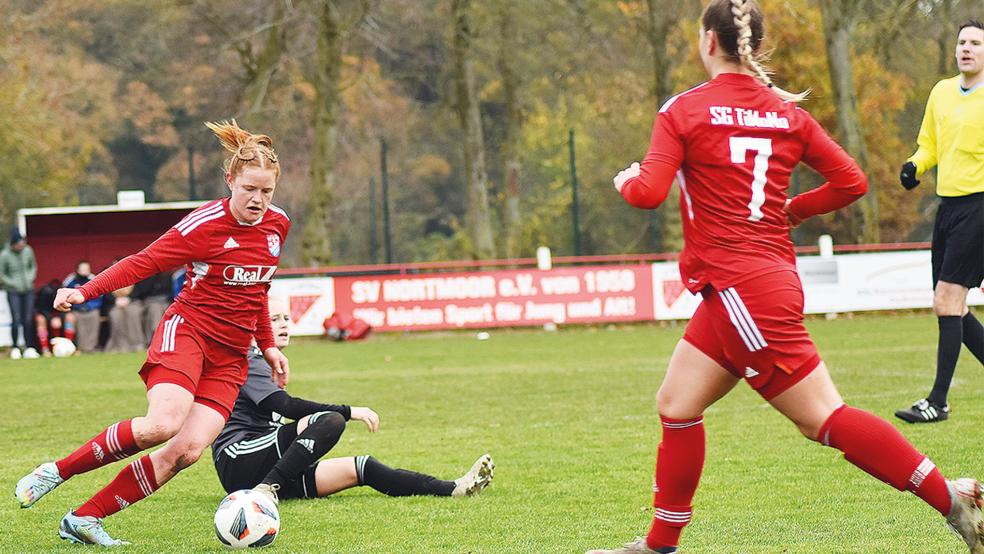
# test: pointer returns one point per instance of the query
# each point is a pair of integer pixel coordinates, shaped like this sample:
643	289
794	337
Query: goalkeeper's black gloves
908	176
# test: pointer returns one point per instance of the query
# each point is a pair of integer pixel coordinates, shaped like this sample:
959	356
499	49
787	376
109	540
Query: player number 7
763	150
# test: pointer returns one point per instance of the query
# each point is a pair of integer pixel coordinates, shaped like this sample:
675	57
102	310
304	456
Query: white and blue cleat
86	530
38	483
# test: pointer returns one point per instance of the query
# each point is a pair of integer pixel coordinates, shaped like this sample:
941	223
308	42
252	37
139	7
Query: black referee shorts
243	464
958	241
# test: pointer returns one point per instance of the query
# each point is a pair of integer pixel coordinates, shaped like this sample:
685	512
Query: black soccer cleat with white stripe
924	411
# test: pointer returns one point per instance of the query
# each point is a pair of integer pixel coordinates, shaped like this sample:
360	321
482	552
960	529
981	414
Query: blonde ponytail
746	18
247	149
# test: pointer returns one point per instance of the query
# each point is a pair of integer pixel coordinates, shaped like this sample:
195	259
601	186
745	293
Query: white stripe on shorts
742	321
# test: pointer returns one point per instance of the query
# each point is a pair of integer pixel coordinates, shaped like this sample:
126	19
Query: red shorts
179	354
755	330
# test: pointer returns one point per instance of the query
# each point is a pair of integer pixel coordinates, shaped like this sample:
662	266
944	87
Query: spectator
126	332
86	313
18	269
153	296
48	321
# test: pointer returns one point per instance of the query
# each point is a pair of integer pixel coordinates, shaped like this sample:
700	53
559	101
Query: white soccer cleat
38	483
15	353
965	513
269	490
477	478
637	546
86	530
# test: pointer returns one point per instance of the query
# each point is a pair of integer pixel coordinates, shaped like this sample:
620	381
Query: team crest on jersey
273	243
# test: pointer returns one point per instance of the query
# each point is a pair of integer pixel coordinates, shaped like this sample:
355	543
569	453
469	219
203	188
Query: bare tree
478	216
840	18
326	75
513	127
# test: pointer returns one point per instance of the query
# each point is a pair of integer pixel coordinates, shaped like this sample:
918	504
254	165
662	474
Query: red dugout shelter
62	236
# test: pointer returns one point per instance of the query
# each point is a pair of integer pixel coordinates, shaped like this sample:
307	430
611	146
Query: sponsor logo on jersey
98	452
248	275
231	243
307	443
273	243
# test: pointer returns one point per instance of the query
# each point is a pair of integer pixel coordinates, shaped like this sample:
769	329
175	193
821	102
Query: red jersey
733	144
230	266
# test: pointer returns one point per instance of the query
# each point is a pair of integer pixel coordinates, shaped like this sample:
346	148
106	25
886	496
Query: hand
794	220
64	299
624	175
280	373
908	176
366	415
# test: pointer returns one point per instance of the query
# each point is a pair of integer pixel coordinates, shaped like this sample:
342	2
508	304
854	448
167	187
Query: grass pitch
569	418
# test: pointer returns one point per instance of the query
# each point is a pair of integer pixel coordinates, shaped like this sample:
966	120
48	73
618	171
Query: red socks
136	482
114	443
878	448
678	467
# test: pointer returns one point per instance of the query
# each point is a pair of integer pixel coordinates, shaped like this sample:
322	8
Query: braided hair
739	26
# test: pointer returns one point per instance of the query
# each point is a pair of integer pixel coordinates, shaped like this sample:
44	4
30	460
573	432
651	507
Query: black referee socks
973	336
321	435
947	352
399	482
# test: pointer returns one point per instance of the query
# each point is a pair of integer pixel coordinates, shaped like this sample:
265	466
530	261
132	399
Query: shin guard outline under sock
113	443
880	450
679	463
136	482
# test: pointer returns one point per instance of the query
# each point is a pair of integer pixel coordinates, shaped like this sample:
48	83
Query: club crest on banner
273	243
672	291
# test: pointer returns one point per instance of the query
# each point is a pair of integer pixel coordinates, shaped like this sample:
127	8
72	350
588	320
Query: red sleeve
264	331
845	180
658	168
166	253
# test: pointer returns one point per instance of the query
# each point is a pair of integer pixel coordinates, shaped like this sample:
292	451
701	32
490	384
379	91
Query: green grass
569	418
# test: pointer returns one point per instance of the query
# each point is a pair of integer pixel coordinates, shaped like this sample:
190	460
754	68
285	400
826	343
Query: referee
952	138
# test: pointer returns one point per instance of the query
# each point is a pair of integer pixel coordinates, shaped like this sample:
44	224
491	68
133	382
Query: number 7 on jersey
763	150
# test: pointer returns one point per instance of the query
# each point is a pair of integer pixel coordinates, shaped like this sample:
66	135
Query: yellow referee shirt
952	136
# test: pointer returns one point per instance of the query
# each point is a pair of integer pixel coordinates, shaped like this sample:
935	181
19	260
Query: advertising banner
498	298
841	283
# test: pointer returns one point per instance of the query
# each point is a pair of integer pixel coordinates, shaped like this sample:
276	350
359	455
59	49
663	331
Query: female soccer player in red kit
197	358
732	143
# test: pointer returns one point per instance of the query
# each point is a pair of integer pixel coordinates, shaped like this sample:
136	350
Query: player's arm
925	156
845	180
169	251
295	408
647	185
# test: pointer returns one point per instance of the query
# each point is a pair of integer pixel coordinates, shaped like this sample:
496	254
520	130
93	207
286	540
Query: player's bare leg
185	448
877	447
335	475
693	382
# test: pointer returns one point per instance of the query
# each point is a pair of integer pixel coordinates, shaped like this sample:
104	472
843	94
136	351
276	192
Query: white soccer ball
245	519
62	347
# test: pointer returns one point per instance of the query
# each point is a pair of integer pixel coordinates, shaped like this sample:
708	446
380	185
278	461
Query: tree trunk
661	18
478	216
316	236
839	21
266	64
513	131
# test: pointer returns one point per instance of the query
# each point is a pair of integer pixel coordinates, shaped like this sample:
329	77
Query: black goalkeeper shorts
243	464
958	241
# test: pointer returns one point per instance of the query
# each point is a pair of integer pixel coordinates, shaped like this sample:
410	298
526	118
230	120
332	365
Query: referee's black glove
908	176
